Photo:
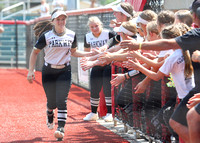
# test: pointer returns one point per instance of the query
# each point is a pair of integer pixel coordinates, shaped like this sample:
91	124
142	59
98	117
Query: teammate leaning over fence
178	64
190	41
59	44
123	12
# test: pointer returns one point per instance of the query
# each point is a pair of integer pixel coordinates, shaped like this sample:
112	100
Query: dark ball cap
194	6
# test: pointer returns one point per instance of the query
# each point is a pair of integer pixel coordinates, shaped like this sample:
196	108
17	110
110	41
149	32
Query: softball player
100	75
59	44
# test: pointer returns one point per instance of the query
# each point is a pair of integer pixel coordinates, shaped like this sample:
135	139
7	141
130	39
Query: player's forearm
78	53
114	48
159	45
119	57
92	58
149	73
32	60
146	60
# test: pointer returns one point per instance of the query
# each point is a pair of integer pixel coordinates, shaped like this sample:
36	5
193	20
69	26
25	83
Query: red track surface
23	113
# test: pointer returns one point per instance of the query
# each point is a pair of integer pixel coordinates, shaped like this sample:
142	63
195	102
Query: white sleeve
163	53
167	67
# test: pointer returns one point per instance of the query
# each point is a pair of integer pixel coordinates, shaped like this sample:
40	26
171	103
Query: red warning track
23	108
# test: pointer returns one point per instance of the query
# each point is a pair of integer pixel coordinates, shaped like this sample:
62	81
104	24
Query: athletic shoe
91	117
108	117
50	123
59	133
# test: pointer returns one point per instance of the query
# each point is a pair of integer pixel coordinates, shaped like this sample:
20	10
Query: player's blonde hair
166	17
94	19
171	31
128	8
152	27
148	15
130	26
184	16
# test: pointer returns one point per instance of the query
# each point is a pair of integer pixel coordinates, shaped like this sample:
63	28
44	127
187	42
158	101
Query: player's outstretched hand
195	56
119	78
30	76
194	100
130	44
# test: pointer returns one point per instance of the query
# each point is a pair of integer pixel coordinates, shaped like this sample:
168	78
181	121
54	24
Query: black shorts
197	108
180	112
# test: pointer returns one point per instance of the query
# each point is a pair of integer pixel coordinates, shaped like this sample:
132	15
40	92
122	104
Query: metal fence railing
11	14
12	45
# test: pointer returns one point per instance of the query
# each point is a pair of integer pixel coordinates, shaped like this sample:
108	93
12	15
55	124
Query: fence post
16	44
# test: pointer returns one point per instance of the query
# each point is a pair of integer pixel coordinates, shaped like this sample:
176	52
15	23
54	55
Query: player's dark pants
180	112
100	76
197	108
56	83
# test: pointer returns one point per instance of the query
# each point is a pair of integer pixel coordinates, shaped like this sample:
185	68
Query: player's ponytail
188	72
42	26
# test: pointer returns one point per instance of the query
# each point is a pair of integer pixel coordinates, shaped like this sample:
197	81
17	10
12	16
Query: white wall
177	4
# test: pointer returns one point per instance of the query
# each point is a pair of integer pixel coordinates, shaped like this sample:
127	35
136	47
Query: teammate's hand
194	100
130	44
30	76
119	78
140	87
195	56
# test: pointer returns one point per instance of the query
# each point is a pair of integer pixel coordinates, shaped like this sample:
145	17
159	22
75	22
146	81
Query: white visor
141	20
118	8
124	30
57	14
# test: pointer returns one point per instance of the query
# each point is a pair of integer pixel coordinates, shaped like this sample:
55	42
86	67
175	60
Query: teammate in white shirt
59	45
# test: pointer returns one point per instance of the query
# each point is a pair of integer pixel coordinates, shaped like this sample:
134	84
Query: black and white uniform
100	75
57	81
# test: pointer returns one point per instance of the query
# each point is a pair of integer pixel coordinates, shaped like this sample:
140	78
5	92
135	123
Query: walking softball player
59	44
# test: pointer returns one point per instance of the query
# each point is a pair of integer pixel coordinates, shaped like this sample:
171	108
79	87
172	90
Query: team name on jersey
99	43
59	43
